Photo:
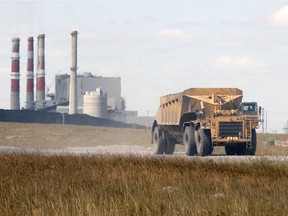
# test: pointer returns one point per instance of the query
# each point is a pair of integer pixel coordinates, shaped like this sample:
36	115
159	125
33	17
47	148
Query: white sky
159	47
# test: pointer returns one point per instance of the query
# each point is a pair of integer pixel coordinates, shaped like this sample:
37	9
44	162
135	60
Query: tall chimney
73	75
40	75
30	74
15	75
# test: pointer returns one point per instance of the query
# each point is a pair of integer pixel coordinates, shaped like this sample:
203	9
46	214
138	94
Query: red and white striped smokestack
40	75
15	75
30	74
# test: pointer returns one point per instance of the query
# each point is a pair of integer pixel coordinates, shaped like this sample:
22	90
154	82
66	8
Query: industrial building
87	82
97	96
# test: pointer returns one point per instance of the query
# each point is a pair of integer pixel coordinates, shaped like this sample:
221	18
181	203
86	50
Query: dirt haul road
79	140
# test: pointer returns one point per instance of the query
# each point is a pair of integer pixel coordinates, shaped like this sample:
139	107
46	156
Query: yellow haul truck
201	118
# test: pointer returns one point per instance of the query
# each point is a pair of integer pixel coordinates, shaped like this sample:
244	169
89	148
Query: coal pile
31	116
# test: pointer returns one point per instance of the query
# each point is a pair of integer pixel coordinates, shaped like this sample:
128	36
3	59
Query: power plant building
87	82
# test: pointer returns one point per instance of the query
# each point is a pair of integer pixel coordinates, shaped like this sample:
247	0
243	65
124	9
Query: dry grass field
36	184
114	185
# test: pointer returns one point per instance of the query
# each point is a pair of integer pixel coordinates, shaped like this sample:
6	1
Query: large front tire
230	150
159	141
189	141
203	142
211	149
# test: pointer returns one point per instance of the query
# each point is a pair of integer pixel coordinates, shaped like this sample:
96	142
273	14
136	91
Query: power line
277	113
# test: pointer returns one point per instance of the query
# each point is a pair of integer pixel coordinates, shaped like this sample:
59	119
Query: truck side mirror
260	110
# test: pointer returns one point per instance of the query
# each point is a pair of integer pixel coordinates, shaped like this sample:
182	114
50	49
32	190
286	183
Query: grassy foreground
112	185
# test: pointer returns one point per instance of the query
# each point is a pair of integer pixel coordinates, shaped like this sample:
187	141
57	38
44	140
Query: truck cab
249	108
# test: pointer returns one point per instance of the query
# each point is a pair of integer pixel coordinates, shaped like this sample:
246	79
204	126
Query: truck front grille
227	129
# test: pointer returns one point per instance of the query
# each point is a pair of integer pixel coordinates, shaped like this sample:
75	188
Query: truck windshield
249	108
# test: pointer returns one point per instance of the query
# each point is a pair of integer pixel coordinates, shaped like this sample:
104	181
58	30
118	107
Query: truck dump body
174	106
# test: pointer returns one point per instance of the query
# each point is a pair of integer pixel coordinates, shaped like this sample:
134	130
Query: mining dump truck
202	118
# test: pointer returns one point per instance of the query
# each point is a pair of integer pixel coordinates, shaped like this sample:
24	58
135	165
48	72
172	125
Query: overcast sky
159	47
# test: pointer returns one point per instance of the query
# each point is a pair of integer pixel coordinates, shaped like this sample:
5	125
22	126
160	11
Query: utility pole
286	128
266	122
262	119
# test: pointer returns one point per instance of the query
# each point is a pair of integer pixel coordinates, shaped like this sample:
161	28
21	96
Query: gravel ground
138	151
88	140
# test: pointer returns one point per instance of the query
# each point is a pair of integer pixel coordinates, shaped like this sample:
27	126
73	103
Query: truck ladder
248	127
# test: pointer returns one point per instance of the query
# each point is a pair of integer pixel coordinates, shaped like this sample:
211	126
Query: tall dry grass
114	185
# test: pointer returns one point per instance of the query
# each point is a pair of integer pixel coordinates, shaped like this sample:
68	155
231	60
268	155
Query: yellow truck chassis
201	118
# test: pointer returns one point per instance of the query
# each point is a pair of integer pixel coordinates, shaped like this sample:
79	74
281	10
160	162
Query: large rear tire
189	141
159	141
203	142
170	147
